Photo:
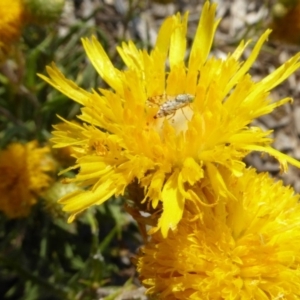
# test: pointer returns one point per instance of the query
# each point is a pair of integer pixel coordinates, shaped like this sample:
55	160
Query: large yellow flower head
11	22
23	177
240	249
167	124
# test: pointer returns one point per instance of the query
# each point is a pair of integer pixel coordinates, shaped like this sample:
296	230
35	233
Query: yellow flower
167	124
11	22
43	12
286	22
52	194
240	249
23	177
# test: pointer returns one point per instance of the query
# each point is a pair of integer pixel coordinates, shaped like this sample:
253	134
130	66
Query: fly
168	105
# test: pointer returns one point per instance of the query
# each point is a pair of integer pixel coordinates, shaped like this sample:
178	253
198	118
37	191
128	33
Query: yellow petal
249	62
163	38
204	36
64	85
78	201
178	41
173	204
191	171
102	64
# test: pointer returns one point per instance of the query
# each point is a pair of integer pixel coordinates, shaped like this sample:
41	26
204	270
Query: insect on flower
168	105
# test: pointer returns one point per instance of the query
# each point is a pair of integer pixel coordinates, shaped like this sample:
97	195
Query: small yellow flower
54	193
43	12
11	22
23	177
240	249
166	123
286	21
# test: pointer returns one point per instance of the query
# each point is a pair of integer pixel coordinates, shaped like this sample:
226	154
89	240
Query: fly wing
157	100
184	98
